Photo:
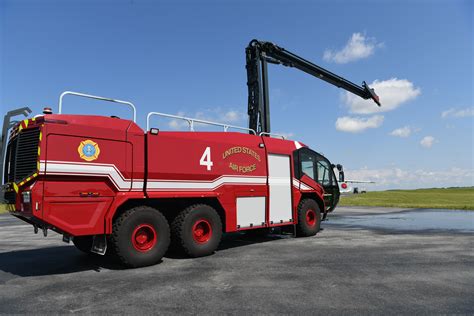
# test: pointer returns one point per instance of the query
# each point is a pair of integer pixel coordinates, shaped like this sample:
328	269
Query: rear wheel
197	230
309	218
140	236
83	243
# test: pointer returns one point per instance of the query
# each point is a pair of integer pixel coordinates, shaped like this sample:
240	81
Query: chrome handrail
191	122
271	134
130	104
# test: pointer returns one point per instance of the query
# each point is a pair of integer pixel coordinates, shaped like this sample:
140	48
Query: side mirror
341	172
341	176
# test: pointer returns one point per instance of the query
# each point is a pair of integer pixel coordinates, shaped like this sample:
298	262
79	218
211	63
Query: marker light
26	197
344	185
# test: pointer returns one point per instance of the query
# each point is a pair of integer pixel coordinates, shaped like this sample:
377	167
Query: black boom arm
258	54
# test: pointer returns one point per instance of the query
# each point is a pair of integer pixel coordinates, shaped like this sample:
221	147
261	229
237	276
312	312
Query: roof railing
272	135
90	96
192	121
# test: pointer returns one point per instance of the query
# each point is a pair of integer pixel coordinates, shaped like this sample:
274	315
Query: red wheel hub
202	231
311	217
144	237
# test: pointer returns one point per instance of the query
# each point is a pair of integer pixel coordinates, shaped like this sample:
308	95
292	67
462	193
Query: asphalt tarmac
355	265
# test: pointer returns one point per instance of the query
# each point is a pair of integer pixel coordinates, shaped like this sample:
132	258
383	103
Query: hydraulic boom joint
258	54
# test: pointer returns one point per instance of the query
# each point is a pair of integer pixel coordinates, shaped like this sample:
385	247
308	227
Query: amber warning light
47	110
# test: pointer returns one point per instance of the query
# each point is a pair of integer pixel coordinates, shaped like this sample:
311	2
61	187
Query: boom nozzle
371	93
259	54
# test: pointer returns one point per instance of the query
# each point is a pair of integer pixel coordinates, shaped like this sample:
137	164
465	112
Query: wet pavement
414	220
364	261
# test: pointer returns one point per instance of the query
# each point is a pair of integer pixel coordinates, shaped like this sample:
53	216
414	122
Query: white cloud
455	113
358	124
392	92
219	115
402	131
231	116
357	47
396	178
288	135
176	124
427	141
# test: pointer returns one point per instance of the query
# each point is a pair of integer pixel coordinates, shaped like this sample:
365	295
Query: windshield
317	168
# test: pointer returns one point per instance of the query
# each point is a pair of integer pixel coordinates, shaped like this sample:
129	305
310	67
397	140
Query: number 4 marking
206	159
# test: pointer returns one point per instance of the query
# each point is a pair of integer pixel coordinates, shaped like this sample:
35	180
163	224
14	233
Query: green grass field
451	198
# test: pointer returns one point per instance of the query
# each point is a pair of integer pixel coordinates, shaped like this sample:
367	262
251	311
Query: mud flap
99	244
325	214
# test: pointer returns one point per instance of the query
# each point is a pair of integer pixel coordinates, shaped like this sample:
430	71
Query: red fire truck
111	187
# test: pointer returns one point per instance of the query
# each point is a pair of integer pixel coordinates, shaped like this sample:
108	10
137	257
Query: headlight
26	197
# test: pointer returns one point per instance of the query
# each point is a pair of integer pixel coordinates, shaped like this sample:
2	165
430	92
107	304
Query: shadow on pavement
231	240
67	259
53	260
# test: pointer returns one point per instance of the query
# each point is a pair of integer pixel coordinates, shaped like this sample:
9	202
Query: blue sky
188	58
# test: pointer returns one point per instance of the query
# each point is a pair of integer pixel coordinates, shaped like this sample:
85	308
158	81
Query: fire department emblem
88	150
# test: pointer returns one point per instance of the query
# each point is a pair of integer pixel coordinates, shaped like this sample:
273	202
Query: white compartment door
250	211
279	180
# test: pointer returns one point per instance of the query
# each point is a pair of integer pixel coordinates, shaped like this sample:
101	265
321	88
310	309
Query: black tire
309	218
83	243
140	237
197	230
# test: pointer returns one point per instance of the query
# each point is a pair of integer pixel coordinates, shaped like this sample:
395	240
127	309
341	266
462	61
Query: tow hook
44	229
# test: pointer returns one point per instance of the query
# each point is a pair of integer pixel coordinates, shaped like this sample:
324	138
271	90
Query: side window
316	167
308	162
324	174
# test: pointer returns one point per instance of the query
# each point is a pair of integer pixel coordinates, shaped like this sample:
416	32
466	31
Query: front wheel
140	236
309	218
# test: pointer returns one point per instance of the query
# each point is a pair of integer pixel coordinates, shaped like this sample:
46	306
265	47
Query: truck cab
314	167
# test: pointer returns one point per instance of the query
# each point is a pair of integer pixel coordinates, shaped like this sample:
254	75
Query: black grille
10	197
22	155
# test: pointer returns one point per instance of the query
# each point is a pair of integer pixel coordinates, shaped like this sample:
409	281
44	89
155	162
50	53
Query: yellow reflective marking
15	187
20	128
28	179
21	183
38	165
26	123
39	151
34	175
41	135
33	119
